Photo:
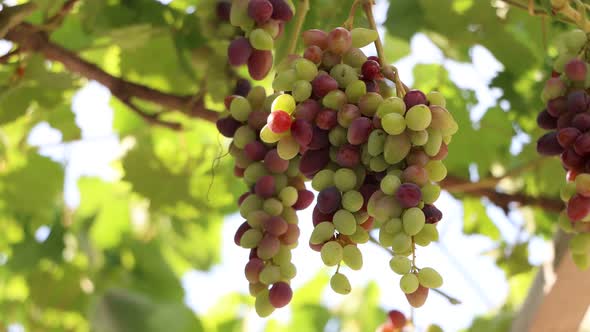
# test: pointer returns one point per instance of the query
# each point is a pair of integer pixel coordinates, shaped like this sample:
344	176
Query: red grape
279	121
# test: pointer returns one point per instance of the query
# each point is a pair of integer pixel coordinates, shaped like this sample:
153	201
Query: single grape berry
279	121
371	70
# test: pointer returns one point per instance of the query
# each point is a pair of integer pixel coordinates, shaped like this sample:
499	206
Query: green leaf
476	220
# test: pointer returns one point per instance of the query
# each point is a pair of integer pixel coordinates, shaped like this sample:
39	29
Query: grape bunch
397	321
262	21
374	159
567	118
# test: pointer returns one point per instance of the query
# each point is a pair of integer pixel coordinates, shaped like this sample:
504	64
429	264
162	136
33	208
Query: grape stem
349	23
302	10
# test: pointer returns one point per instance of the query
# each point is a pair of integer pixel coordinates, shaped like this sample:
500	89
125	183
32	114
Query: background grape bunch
397	321
567	117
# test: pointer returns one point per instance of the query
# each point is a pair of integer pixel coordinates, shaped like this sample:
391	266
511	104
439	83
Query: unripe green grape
391	105
400	264
580	243
340	284
284	102
434	328
396	148
270	274
352	201
395	171
369	103
288	271
335	100
255	289
337	136
254	172
288	196
273	206
355	90
344	222
392	226
250	204
428	234
429	278
360	236
413	220
447	139
243	136
386	208
239	15
293	170
301	90
567	191
354	58
409	283
344	75
418	117
565	223
575	39
331	253
386	239
378	164
432	147
361	217
419	138
401	243
581	260
376	142
345	179
262	304
305	69
352	257
362	37
270	100
289	215
583	184
322	180
393	123
322	232
240	108
281	181
285	80
389	184
256	97
288	148
268	136
436	170
256	218
283	256
436	98
260	39
361	173
430	193
251	238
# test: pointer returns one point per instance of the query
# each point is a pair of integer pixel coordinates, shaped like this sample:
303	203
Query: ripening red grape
371	70
279	121
239	51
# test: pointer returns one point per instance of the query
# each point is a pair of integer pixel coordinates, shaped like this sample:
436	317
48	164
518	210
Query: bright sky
468	275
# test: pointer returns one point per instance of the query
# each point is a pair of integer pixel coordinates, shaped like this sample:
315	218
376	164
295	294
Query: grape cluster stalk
374	156
567	118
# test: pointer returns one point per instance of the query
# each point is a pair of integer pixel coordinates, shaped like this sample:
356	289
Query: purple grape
265	186
326	119
302	132
372	86
565	120
578	101
348	156
260	10
308	110
320	139
415	97
239	51
557	106
408	195
227	126
329	200
582	144
223	10
313	161
255	151
318	217
359	131
548	145
274	163
322	85
581	121
281	10
576	70
304	199
280	294
240	231
257	119
571	160
243	87
367	190
567	136
259	64
432	214
546	121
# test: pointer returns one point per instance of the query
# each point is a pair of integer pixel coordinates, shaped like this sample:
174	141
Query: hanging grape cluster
398	322
374	158
567	117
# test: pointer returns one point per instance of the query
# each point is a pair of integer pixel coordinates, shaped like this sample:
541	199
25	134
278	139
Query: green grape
369	103
243	136
428	234
564	222
256	218
395	171
378	164
352	201
254	172
436	170
432	147
575	39
413	220
355	90
580	243
262	304
581	260
583	184
337	136
362	37
434	328
344	75
331	253
393	123
361	217
281	181
288	271
340	284
386	208
250	204
361	173
305	69
400	264
284	102
322	232
429	278
360	236
322	180
409	283
270	274
256	97
389	184
436	98
283	256
344	222
567	191
392	226
273	206
352	257
288	196
430	193
419	138
285	80
293	170
397	148
270	100
290	215
391	105
301	90
354	58
335	100
260	39
401	243
288	148
376	142
386	239
239	15
418	117
255	289
345	179
240	108
268	136
251	238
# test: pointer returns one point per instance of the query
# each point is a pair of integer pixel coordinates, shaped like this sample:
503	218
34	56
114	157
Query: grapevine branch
302	10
